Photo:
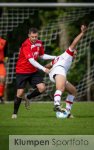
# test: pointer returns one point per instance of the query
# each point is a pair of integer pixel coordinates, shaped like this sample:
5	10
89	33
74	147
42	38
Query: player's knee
60	88
20	93
42	88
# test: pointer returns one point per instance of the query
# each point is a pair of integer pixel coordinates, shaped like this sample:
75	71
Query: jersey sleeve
70	51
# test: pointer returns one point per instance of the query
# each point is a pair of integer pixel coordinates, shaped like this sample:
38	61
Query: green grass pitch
41	120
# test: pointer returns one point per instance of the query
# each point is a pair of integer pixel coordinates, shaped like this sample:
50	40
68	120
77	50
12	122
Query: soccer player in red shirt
27	68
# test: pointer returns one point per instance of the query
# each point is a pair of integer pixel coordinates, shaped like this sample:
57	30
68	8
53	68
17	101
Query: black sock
17	103
33	94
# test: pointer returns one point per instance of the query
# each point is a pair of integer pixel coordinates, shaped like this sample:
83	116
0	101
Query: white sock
57	97
69	101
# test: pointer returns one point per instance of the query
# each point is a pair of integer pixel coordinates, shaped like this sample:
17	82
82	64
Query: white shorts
57	70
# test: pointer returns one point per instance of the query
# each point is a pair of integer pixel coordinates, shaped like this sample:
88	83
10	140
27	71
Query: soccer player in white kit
60	67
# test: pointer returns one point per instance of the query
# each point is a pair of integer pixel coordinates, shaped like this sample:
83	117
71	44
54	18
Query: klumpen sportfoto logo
53	141
47	142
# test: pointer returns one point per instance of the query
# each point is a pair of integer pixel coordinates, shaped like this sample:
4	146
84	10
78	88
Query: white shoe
14	116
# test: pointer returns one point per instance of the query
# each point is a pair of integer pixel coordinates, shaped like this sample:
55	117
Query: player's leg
70	97
60	87
2	81
17	102
21	82
39	87
37	83
39	90
58	76
69	101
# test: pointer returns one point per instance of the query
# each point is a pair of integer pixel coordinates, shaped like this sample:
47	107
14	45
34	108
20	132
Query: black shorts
33	79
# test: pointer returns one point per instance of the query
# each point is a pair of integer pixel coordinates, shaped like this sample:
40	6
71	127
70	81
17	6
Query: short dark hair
33	30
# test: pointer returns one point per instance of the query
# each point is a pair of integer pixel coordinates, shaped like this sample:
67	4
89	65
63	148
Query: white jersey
61	64
64	60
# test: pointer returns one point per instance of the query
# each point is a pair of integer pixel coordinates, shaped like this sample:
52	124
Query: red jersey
28	50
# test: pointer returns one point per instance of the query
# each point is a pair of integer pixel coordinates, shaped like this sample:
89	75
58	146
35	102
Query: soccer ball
62	114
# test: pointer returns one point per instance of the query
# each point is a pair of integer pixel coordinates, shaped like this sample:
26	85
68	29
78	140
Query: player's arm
37	65
77	39
47	57
43	55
